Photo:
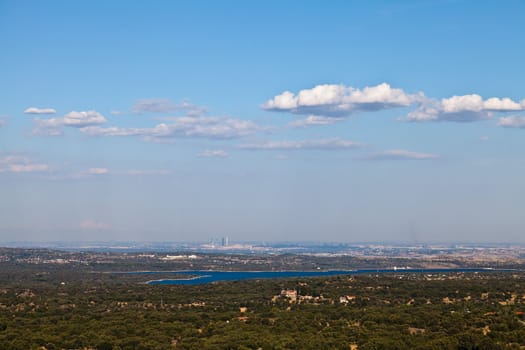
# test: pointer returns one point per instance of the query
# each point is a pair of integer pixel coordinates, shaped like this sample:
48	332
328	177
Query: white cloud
484	138
89	224
89	173
156	105
501	104
457	104
463	108
97	171
20	164
314	120
340	100
216	153
54	126
184	127
330	100
512	122
27	168
319	144
47	127
35	110
84	118
164	105
3	122
112	131
400	154
211	127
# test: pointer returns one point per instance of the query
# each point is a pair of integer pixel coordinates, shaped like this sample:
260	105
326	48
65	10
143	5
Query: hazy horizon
344	121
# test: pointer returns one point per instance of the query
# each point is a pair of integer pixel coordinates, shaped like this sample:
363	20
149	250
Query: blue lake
202	277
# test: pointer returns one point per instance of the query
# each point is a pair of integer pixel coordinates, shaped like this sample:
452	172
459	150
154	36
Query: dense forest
71	307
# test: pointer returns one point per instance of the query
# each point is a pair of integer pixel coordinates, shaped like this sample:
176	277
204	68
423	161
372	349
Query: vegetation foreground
68	307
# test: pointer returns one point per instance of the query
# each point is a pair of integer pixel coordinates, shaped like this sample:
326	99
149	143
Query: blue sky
272	120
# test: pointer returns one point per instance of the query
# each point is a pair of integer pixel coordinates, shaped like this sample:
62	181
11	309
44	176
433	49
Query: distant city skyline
344	121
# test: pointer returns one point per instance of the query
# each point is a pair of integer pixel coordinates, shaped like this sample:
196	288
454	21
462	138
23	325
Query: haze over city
282	121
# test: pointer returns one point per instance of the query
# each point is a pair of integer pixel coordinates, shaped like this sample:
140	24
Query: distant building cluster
222	242
179	257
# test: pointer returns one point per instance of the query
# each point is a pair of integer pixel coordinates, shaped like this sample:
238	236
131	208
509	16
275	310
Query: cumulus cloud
184	127
215	153
340	100
35	110
20	164
47	127
512	122
327	101
89	224
212	127
319	144
82	119
401	154
314	120
97	171
463	108
112	131
501	104
54	126
164	105
84	174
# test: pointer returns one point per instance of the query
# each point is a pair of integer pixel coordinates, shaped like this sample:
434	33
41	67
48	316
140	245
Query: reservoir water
202	277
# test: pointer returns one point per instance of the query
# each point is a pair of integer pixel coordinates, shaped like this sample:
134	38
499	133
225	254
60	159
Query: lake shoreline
211	276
